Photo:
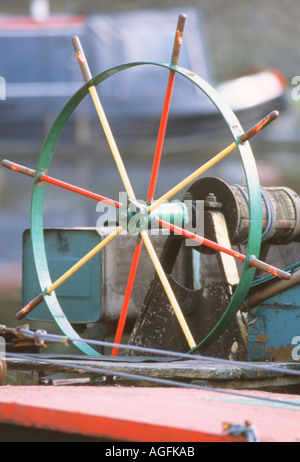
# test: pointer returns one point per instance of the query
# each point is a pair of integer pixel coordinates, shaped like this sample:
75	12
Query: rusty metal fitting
23	336
210	202
38	342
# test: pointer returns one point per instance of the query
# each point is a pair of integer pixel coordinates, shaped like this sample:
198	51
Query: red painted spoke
161	137
127	296
61	184
153	179
166	107
253	260
81	191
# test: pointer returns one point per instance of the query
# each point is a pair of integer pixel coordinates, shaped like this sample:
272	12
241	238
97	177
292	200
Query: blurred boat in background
41	73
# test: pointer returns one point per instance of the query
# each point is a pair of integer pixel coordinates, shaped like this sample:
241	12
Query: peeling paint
281	354
263	338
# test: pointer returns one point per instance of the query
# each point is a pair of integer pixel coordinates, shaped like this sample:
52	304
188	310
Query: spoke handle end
259	126
29	307
178	39
81	58
18	168
279	273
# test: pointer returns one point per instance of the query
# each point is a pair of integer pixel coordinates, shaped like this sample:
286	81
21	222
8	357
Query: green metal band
38	192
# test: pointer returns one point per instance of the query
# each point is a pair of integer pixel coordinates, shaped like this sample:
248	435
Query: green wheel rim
38	193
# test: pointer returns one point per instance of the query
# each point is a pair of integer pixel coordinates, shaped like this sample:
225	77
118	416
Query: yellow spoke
193	176
39	299
84	260
243	138
164	280
103	119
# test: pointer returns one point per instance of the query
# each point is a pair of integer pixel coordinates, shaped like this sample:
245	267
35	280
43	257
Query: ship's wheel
239	142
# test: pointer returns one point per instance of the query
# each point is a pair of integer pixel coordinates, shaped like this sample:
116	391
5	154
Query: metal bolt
211	198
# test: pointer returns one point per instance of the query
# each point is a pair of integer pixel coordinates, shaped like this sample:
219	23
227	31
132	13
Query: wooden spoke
153	179
253	261
168	289
221	155
101	114
61	184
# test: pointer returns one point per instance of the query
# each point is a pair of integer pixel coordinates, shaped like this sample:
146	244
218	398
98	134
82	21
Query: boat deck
117	408
147	414
209	373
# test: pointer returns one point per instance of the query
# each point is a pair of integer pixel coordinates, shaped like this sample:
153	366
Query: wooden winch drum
280	210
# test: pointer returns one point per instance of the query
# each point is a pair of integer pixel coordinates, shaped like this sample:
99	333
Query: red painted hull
17	23
148	414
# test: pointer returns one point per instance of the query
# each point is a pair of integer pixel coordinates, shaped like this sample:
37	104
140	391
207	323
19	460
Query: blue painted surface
273	327
79	296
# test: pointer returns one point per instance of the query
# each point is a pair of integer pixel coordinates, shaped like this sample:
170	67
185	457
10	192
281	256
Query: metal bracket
226	262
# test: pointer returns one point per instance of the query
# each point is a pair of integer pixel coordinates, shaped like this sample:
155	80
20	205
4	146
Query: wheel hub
136	218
